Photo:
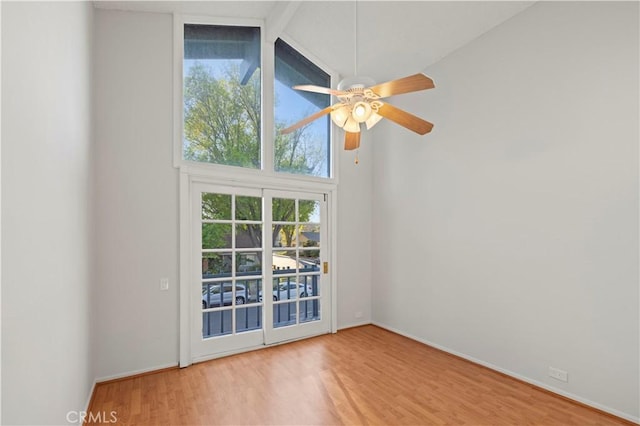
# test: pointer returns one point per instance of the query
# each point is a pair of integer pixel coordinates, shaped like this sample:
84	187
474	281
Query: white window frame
267	73
191	172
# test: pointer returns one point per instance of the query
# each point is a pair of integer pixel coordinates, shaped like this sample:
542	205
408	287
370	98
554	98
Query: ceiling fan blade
405	119
351	141
320	89
306	120
413	83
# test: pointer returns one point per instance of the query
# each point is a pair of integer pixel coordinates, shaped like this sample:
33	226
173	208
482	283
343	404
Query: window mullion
268	105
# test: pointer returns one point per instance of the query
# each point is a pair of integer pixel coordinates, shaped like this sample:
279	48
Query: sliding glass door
259	258
296	258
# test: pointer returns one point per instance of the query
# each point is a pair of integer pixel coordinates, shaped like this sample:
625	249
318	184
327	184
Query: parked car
211	296
288	291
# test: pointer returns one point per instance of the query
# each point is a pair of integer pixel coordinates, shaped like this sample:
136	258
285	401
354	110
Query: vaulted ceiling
394	38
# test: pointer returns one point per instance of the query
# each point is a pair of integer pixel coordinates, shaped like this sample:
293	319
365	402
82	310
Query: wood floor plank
359	376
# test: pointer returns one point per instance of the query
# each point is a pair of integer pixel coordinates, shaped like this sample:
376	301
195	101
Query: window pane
284	314
216	235
248	236
306	150
216	265
222	95
253	288
284	236
248	208
249	262
284	262
310	284
248	319
309	211
215	294
216	206
216	323
309	310
283	210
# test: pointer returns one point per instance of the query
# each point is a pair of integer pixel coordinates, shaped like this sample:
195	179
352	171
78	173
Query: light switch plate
164	284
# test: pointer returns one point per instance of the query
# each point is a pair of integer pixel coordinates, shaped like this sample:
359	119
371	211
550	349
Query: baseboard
92	392
535	383
130	374
353	325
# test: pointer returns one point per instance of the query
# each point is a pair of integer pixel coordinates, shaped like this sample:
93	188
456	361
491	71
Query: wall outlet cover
558	374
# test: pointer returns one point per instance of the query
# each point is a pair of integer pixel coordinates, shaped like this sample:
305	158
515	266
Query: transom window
306	150
222	107
223	104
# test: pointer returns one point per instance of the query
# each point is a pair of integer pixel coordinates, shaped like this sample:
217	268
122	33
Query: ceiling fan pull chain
357	161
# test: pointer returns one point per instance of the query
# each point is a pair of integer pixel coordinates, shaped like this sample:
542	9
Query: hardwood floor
363	375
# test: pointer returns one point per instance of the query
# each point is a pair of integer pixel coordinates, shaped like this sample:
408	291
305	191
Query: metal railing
287	305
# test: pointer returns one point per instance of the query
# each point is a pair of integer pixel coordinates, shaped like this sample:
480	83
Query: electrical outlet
164	284
558	374
359	314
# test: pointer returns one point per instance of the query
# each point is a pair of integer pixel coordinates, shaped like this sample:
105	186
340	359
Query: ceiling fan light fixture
361	111
373	120
340	115
351	126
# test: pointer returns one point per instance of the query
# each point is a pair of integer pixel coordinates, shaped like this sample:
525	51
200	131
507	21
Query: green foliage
215	206
284	210
222	125
222	118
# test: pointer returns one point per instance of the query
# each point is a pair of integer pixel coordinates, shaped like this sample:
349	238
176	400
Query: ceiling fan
360	102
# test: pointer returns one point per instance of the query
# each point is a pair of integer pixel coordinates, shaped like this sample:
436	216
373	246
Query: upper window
222	103
306	150
222	95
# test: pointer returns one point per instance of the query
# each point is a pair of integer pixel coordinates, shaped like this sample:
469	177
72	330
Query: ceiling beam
278	18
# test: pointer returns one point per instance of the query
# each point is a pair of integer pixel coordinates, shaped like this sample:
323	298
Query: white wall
137	201
46	147
510	233
0	216
354	234
136	194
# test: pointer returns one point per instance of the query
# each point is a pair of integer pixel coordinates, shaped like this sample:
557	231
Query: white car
211	295
288	291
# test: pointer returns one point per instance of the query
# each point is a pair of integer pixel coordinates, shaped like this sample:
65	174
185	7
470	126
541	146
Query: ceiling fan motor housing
357	104
355	82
